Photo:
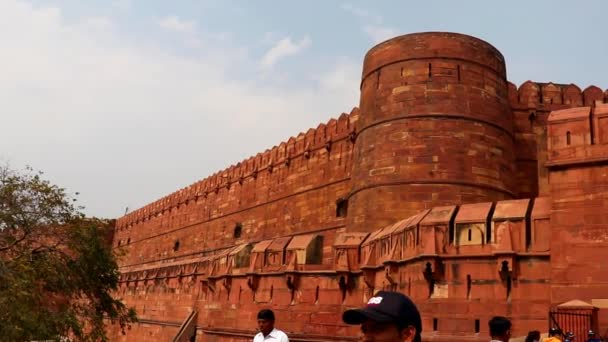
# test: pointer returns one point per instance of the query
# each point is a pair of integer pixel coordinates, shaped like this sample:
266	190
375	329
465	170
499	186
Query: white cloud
125	121
174	23
345	74
284	48
362	13
379	33
372	24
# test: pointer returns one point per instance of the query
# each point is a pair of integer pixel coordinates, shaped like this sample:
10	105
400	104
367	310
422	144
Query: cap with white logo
387	307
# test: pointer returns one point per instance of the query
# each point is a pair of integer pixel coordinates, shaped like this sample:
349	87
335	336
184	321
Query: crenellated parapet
578	135
290	160
537	95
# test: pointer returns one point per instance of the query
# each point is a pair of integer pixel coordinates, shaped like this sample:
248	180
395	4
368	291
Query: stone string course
447	183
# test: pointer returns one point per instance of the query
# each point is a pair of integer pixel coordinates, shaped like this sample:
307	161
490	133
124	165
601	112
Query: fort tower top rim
434	45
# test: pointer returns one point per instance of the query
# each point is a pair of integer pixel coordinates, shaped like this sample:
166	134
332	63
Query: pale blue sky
126	101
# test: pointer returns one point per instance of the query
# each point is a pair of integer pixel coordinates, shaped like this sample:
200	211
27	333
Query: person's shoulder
280	333
258	336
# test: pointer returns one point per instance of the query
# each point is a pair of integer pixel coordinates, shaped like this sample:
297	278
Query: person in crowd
554	335
569	337
268	333
533	336
592	337
500	329
387	317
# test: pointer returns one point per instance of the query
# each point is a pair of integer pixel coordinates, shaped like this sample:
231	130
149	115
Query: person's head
387	317
533	336
266	321
554	332
500	328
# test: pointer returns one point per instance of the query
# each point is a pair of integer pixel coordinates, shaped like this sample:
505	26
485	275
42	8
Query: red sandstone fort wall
406	193
457	278
292	188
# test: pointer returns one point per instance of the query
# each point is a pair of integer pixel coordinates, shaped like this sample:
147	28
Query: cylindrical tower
435	128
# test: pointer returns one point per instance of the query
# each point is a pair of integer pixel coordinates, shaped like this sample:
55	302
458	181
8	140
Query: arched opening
176	246
568	138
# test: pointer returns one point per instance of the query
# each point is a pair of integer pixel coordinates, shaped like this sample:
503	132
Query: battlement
552	96
303	146
578	135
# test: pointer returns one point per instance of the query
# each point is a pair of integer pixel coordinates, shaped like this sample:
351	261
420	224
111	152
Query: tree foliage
57	269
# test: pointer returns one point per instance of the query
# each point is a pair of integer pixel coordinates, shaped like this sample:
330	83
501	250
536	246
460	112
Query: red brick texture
448	183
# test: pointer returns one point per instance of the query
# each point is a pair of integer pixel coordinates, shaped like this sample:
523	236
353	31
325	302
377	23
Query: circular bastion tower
435	128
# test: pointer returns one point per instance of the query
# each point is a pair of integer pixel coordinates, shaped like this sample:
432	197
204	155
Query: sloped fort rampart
447	183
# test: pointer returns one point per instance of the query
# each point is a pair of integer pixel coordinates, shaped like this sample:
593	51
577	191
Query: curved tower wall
435	128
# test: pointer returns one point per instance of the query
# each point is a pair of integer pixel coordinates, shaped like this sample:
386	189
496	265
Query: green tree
57	268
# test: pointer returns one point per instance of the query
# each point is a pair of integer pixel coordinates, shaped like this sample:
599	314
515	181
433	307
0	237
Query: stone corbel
369	277
208	284
253	280
505	268
344	280
391	273
291	279
433	270
227	282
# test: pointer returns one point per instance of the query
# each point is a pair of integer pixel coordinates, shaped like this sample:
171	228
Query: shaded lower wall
469	294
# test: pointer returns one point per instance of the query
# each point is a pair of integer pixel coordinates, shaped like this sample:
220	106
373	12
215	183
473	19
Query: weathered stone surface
449	184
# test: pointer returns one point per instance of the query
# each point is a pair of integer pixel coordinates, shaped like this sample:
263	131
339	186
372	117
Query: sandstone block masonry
447	183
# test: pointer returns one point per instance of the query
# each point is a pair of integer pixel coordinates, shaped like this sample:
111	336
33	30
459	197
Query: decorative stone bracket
433	270
253	281
291	280
345	281
505	267
227	282
208	285
391	272
369	277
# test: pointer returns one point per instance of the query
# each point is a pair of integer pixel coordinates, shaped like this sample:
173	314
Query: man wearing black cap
500	329
387	317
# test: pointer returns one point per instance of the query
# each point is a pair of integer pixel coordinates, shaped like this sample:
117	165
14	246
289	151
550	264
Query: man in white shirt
268	333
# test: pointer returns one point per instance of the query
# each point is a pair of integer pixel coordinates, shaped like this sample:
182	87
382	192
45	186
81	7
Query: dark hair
266	314
533	335
499	326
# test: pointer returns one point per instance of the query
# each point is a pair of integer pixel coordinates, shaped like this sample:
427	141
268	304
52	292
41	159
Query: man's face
265	326
386	332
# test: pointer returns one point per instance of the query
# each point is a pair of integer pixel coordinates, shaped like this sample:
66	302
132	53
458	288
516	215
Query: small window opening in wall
532	118
176	245
568	138
435	324
477	326
341	207
469	282
317	295
119	243
470	235
128	241
238	230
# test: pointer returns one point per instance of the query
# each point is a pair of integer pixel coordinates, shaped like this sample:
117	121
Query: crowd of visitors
393	317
